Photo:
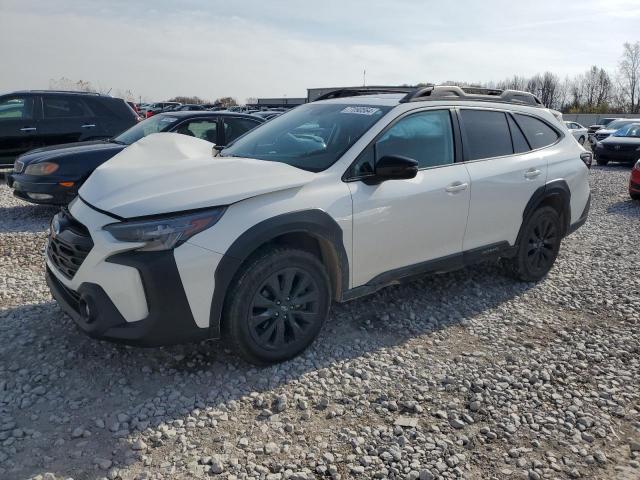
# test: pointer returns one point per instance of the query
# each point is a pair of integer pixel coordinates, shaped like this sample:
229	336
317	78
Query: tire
538	246
581	140
602	161
261	316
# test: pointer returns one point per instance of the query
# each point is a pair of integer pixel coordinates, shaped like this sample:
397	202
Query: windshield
632	130
606	121
618	124
311	137
155	124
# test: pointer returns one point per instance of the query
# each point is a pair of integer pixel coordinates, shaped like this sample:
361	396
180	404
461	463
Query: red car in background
634	182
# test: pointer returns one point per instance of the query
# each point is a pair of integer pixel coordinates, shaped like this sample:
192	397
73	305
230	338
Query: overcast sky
256	48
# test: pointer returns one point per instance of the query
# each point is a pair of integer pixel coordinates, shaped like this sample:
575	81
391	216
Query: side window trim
455	131
513	120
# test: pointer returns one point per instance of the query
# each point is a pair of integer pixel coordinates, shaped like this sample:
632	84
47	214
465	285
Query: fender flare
555	188
315	222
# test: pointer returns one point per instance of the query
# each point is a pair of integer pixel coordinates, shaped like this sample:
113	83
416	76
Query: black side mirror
396	167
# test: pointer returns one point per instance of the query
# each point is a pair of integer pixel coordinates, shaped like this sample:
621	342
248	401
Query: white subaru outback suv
170	242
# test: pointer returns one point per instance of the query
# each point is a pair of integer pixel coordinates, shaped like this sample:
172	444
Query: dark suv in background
33	119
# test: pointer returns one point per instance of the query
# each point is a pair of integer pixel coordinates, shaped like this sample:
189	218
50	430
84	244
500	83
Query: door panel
66	119
18	127
500	190
399	223
404	222
502	182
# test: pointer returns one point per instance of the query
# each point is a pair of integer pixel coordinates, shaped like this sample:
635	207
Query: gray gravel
463	375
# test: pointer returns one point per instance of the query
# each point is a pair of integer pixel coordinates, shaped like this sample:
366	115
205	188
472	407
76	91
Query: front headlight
165	233
44	168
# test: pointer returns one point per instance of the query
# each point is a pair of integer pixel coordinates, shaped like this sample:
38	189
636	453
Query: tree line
594	91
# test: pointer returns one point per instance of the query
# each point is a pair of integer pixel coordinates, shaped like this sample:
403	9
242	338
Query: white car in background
579	132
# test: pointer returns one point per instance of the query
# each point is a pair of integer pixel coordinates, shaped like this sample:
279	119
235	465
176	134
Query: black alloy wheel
277	305
538	246
284	308
541	251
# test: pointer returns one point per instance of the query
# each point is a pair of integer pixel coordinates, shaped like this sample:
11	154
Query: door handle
456	187
88	125
28	129
532	173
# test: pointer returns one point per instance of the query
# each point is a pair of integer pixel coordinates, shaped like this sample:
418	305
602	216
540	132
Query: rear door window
64	107
235	127
538	133
486	134
204	128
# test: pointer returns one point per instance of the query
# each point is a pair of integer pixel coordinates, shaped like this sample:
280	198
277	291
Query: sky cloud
252	48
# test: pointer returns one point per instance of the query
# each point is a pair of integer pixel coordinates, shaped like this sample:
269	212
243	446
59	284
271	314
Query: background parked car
188	107
158	107
53	175
621	146
610	129
634	182
578	131
33	119
603	122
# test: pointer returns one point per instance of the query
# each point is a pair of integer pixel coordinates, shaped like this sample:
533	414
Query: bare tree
226	102
64	83
629	75
191	100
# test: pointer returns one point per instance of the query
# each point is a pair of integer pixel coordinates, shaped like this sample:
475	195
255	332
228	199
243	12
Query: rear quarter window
110	108
538	133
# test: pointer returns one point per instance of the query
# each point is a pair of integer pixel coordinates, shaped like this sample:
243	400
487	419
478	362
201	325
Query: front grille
620	147
69	243
18	166
601	136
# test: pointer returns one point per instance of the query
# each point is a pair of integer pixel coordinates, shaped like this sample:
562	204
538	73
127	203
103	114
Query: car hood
621	140
169	172
69	149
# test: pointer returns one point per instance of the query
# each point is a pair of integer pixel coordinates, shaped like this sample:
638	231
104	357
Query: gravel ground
463	375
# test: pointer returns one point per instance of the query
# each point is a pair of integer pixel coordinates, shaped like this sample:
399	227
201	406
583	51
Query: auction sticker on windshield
361	110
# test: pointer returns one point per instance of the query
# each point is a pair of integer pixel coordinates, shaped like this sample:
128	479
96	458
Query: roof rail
452	92
64	91
358	91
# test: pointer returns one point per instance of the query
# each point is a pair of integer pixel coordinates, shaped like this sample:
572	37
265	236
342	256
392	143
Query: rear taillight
587	158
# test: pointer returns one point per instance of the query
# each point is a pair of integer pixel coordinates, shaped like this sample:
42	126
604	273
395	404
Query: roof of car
208	113
58	92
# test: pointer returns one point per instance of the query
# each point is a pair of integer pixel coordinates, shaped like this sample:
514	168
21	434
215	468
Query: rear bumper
23	185
168	322
583	218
